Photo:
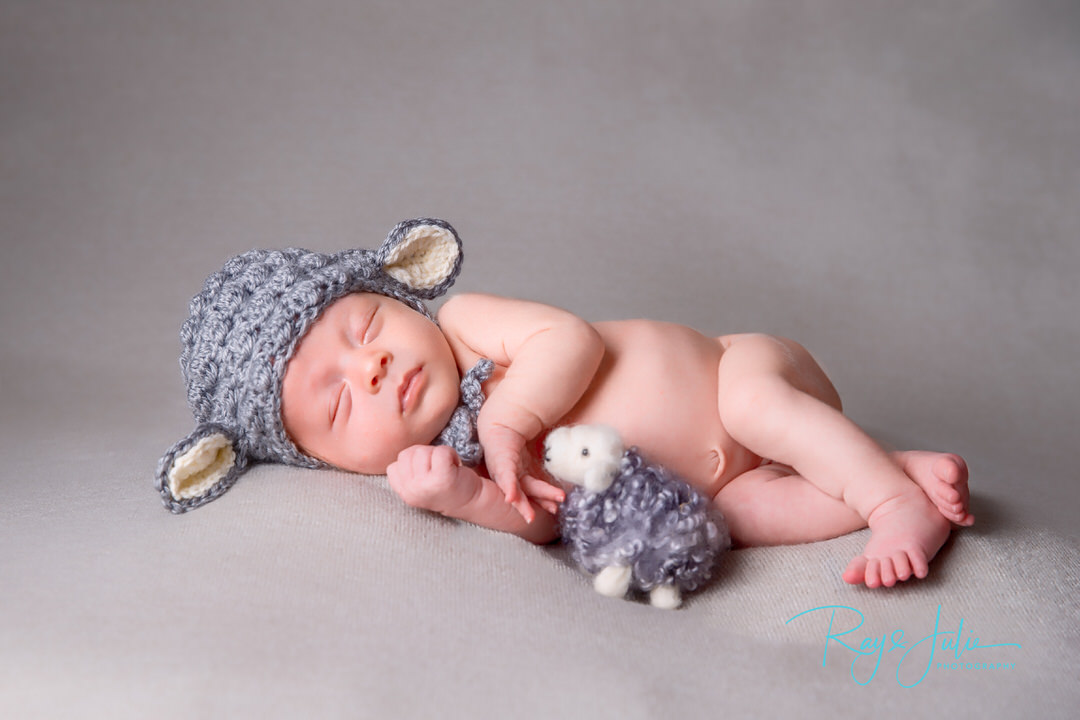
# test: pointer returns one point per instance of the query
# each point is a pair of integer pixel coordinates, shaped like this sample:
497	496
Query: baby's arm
432	478
551	357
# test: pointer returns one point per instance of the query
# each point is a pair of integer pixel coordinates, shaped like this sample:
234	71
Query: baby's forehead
343	306
346	309
366	297
357	297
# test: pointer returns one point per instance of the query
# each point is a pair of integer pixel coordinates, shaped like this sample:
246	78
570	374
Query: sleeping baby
324	360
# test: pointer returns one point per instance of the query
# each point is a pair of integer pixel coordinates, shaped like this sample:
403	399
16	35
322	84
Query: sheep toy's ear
424	255
199	468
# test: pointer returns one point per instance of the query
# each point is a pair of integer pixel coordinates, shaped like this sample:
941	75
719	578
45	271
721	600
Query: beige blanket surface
309	591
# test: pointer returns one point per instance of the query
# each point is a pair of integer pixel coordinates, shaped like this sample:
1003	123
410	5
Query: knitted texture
245	325
180	503
460	433
649	520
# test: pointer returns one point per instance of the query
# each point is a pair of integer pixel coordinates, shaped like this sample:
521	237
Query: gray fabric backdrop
895	185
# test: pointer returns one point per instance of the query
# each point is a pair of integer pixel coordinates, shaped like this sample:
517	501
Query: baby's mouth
409	391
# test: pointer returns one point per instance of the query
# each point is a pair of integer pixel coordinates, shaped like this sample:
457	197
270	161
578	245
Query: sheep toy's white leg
613	581
665	597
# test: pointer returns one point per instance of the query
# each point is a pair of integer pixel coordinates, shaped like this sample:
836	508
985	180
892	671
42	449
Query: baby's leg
772	505
776	401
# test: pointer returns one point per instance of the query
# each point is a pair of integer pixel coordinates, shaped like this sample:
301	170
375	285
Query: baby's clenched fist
429	477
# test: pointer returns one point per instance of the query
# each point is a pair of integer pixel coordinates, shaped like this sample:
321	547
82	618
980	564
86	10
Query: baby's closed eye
340	403
367	327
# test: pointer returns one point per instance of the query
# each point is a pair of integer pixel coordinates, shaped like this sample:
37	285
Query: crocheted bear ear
424	255
200	467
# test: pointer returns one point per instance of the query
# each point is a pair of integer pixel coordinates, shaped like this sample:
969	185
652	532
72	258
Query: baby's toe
947	495
902	566
919	566
888	572
951	511
855	573
951	469
873	573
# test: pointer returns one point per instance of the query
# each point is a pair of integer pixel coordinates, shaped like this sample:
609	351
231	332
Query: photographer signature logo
944	649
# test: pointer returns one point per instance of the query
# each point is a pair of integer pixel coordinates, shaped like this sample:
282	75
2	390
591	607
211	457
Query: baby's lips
408	388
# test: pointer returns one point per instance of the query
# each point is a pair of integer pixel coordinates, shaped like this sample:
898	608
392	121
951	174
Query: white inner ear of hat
197	470
424	258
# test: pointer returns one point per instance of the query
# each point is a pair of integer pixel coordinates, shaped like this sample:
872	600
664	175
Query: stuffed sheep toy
631	524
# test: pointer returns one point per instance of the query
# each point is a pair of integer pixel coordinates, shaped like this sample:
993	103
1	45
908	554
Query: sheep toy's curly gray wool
649	520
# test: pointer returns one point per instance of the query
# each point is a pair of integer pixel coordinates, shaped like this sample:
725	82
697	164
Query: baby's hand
427	477
504	455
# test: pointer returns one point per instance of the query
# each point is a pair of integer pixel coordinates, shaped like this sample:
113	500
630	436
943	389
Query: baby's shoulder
498	327
499	314
463	313
466	305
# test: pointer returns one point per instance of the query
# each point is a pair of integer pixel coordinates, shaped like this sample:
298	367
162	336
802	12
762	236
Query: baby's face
370	378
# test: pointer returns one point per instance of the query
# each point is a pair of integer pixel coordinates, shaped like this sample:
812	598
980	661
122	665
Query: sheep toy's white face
587	455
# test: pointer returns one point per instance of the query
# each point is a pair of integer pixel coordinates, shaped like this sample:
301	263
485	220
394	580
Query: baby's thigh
752	356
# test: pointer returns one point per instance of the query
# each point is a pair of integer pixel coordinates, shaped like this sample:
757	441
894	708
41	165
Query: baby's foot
944	479
905	534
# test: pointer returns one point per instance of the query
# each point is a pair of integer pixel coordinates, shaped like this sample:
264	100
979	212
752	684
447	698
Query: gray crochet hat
244	327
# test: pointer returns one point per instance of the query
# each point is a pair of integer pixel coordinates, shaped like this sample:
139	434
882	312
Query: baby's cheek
371	450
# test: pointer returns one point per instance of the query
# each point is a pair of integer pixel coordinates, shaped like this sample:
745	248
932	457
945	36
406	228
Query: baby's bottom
831	477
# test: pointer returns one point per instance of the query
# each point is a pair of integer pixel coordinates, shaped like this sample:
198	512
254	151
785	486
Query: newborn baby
370	382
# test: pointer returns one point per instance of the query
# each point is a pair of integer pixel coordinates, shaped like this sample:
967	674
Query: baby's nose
373	367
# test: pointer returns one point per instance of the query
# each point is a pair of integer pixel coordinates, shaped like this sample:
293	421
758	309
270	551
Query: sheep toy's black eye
584	452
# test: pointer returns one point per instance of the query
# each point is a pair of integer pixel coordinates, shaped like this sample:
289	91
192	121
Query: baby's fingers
550	506
505	476
543	493
504	472
538	490
518	501
443	458
525	509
